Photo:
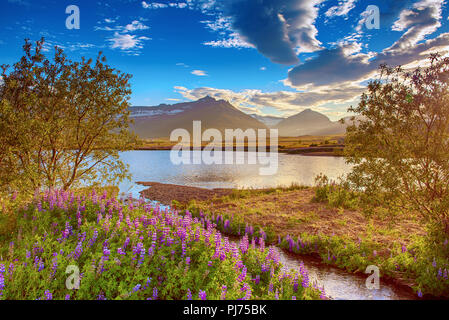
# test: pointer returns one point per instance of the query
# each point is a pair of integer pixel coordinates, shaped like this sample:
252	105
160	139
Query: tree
62	122
400	145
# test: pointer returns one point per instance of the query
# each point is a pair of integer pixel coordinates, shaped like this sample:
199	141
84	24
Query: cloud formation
199	73
278	29
342	9
123	39
346	63
285	102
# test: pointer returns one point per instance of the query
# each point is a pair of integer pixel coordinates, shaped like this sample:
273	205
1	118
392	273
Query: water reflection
156	166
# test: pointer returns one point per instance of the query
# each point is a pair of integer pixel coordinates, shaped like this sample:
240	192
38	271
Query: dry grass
294	212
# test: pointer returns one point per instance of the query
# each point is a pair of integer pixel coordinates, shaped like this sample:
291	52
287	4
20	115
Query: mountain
270	121
160	121
309	122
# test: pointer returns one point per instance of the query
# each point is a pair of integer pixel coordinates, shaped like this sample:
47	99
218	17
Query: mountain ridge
159	121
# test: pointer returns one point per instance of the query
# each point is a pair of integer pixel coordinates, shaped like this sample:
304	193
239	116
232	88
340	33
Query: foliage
400	144
61	122
337	195
134	251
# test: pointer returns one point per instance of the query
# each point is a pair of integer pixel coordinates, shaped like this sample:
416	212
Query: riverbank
291	218
329	146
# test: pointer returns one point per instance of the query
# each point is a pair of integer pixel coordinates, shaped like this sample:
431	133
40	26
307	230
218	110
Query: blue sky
274	57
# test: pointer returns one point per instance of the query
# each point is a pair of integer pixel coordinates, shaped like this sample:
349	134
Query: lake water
156	166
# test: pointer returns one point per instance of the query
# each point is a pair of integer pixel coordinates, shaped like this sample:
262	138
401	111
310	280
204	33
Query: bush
337	195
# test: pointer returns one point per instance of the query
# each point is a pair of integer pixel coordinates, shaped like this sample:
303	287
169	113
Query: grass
285	144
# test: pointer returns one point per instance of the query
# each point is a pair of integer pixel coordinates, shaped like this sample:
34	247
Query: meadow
131	249
331	145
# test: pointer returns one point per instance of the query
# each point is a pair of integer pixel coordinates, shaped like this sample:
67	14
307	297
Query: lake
156	166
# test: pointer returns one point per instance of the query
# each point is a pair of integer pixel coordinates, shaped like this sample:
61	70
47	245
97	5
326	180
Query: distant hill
160	121
270	121
309	122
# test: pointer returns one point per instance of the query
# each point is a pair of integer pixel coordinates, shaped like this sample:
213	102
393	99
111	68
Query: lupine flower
189	295
247	289
154	293
137	287
224	290
242	275
2	279
202	295
48	295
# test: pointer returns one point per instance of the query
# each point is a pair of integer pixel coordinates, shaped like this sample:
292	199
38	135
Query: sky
268	57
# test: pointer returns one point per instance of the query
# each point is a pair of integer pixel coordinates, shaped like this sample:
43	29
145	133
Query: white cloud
157	5
182	64
422	20
200	73
342	9
127	42
233	41
153	5
135	25
123	39
285	102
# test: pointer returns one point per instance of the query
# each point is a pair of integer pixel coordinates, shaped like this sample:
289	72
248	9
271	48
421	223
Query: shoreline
307	151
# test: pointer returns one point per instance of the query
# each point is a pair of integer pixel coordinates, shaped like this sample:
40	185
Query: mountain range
160	121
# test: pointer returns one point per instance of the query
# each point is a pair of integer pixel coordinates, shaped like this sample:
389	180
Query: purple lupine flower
247	289
67	297
101	297
224	290
293	298
189	295
154	293
202	295
257	279
48	295
242	275
54	267
2	279
137	287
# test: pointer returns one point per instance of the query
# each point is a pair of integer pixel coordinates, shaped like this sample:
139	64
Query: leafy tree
400	145
62	122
